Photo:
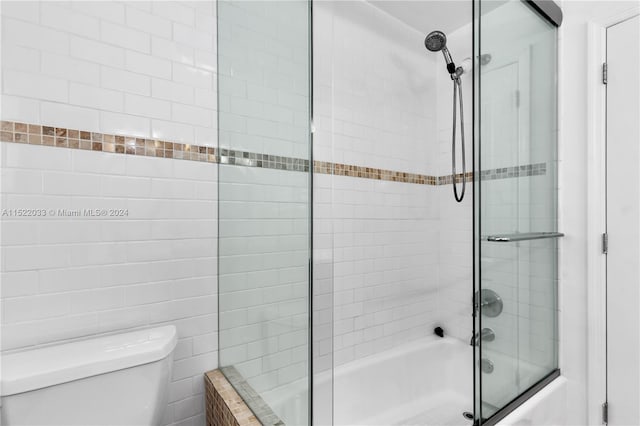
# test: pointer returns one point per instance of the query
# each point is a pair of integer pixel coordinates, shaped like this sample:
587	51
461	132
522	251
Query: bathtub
548	407
428	382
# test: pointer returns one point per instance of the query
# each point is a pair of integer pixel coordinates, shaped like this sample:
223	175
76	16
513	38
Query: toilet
119	379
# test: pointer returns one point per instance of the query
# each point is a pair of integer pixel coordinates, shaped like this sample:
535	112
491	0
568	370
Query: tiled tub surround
378	248
30	134
81	77
390	260
376	255
455	236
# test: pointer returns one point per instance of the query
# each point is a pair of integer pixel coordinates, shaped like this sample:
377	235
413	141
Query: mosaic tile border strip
372	173
536	169
34	134
448	179
254	159
224	407
390	175
258	406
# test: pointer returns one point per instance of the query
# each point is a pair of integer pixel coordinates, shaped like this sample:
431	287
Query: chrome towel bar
525	236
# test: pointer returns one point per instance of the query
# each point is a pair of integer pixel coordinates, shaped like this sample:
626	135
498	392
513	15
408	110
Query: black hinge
605	73
605	413
605	243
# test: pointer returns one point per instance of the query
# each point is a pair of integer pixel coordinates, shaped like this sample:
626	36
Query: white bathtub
427	382
548	407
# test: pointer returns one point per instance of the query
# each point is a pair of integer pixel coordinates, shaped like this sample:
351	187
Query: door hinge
605	243
605	413
605	72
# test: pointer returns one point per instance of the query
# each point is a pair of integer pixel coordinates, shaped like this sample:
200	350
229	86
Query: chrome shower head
435	41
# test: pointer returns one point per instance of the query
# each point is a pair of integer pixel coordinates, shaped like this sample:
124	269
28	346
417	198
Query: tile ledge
224	407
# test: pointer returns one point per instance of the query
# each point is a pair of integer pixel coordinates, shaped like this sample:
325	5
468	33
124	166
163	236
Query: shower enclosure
353	288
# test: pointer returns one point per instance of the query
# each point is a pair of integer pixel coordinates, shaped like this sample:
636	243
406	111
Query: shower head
437	41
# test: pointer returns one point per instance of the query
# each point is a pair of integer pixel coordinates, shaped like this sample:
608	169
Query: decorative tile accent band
79	139
448	179
516	171
253	159
33	134
371	173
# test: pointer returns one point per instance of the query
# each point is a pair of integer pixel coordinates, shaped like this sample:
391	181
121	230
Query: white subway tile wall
391	260
128	68
264	282
384	257
264	78
71	277
455	239
374	90
376	255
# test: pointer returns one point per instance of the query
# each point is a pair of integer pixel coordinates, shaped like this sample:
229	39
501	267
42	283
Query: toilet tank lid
53	365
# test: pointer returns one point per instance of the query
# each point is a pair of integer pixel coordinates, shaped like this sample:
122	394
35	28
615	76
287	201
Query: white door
623	222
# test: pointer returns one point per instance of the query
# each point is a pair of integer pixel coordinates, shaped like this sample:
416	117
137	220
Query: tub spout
486	335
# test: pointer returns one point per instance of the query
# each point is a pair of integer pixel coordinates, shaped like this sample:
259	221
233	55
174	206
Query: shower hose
457	87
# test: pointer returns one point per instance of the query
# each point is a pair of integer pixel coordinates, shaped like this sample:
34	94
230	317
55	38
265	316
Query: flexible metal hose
457	87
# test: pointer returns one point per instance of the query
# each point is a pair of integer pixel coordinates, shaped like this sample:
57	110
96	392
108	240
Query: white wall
137	69
573	196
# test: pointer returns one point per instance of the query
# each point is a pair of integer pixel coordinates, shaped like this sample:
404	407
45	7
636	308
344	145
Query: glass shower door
516	228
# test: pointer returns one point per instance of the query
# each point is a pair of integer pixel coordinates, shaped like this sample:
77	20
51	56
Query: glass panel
518	193
264	204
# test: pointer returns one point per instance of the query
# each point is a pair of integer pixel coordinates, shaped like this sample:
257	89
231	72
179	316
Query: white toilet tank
119	379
